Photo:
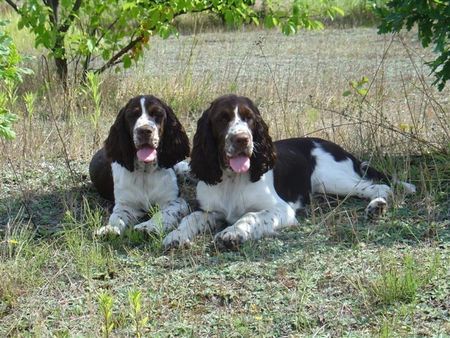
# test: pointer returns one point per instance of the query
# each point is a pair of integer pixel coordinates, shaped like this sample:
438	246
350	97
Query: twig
426	89
13	5
117	58
330	127
383	58
283	108
380	125
66	156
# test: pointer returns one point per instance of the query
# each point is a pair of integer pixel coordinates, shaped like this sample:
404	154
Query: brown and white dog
256	185
135	166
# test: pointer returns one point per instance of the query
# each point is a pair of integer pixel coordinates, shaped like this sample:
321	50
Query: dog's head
147	130
231	135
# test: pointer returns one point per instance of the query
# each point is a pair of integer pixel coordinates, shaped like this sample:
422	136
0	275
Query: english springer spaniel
254	185
134	168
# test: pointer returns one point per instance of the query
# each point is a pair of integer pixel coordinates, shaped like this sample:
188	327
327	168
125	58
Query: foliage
10	76
96	35
432	18
134	297
105	304
92	90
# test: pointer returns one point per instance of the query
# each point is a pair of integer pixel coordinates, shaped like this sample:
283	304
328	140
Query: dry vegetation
334	275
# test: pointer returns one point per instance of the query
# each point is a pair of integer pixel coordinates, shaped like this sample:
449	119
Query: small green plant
358	87
29	98
398	284
6	119
386	329
134	297
93	84
22	262
90	257
105	303
10	77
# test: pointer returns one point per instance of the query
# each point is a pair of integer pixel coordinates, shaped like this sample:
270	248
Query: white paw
377	207
149	227
109	230
176	239
182	168
230	238
382	191
409	188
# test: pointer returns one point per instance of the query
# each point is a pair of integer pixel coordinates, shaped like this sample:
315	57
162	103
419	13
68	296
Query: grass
335	275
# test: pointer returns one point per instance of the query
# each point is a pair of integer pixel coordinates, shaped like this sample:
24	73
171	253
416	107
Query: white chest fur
236	195
145	186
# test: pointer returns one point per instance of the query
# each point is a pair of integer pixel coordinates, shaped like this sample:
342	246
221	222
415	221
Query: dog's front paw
376	208
230	238
176	239
109	230
148	227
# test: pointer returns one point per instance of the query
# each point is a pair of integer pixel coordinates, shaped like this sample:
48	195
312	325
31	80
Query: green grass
336	274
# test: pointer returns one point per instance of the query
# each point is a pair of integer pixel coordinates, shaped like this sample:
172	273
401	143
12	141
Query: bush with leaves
432	18
95	35
10	76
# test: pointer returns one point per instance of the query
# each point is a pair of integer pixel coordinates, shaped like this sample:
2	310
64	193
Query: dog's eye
246	117
224	117
135	112
158	116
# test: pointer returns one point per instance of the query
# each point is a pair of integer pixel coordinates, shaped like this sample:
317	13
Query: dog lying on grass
255	185
135	166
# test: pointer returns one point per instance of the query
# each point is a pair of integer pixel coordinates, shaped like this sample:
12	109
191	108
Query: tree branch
68	22
115	59
13	5
111	25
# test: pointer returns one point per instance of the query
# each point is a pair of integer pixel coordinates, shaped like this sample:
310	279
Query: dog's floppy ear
119	143
205	163
263	157
174	144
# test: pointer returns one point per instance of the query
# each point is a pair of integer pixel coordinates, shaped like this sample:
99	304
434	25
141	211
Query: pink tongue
240	164
146	154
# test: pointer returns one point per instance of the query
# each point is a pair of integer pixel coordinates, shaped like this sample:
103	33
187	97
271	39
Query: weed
400	284
93	84
105	304
93	260
139	320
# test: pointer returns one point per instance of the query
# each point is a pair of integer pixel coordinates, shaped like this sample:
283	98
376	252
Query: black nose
241	140
145	131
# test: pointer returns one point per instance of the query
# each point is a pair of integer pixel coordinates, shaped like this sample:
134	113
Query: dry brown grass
298	82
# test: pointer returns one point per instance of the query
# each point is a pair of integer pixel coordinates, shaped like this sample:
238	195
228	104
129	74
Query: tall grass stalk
93	84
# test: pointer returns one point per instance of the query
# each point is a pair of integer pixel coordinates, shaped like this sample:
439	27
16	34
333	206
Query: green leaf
90	45
126	61
338	10
362	91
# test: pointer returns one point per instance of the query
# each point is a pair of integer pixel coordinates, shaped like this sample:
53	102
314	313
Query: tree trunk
61	69
59	53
